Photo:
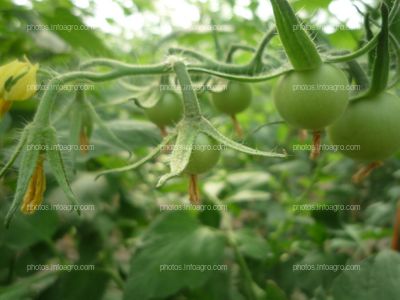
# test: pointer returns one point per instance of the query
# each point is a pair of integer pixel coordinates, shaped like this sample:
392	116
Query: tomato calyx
299	47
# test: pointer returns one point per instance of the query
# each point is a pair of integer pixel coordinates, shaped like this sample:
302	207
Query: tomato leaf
377	278
74	32
175	239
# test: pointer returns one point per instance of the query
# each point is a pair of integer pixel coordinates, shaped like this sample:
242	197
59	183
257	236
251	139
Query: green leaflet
96	118
380	70
299	47
140	162
63	111
57	165
147	98
29	158
207	128
181	153
217	84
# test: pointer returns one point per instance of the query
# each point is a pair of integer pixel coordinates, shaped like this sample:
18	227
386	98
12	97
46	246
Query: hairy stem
191	107
42	116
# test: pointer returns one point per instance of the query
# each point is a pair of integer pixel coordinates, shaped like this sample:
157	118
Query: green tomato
312	99
204	156
372	124
234	99
168	110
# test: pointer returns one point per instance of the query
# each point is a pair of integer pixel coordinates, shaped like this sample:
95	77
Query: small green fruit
168	110
205	154
312	99
373	124
234	99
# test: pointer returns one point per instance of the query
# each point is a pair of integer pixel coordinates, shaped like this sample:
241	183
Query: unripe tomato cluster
366	130
205	150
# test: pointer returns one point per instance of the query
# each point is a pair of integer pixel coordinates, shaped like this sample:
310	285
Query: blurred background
124	233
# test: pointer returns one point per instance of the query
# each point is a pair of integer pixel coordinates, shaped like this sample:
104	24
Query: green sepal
57	165
17	151
84	112
180	155
210	130
358	74
27	167
369	35
381	65
74	130
140	162
299	47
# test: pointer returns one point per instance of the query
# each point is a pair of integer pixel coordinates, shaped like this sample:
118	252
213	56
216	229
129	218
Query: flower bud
37	185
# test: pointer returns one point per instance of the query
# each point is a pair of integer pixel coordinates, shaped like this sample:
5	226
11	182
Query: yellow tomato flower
17	82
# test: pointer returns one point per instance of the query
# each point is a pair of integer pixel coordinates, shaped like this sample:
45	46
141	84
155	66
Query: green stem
229	233
243	266
269	76
42	116
233	48
191	105
114	276
343	58
217	44
257	58
193	54
395	9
